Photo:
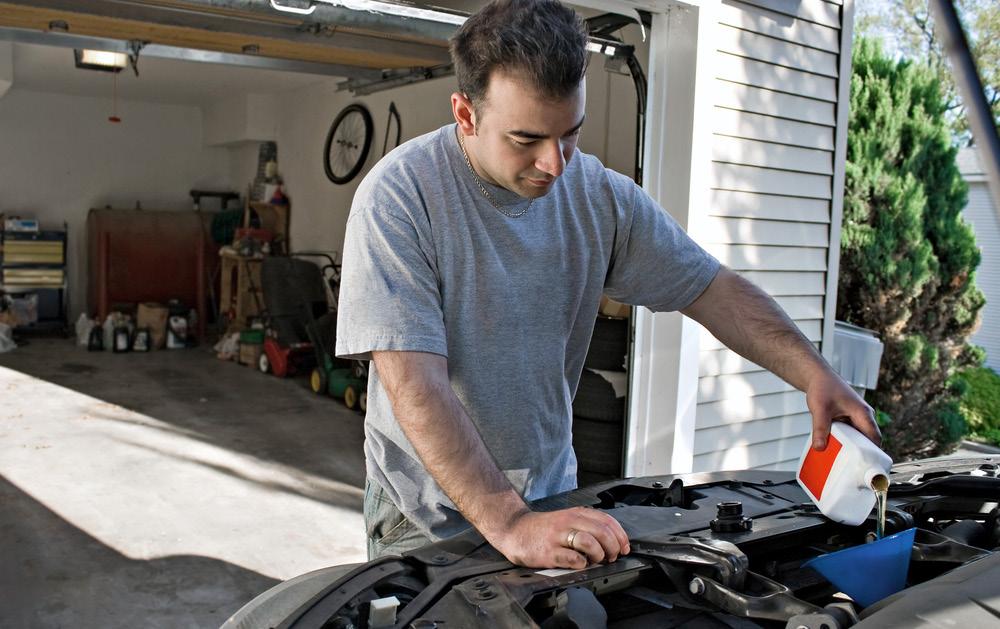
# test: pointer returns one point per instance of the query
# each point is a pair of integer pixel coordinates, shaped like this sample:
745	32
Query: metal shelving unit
33	267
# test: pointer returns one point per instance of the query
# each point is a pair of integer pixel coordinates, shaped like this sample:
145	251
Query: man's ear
464	112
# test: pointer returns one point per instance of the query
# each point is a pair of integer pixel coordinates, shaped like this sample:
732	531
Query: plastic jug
839	479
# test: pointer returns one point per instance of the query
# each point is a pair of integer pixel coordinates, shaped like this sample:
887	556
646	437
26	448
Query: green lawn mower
346	380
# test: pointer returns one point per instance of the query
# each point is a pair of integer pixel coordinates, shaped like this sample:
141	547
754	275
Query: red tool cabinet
149	255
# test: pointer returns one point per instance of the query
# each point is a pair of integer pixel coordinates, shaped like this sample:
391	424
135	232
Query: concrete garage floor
164	489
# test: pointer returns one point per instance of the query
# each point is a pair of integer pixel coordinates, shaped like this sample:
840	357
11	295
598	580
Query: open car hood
696	561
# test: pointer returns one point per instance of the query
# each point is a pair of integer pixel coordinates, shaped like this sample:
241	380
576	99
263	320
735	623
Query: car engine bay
722	549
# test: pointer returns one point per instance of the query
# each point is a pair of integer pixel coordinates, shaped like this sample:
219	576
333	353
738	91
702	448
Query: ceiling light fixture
100	60
604	49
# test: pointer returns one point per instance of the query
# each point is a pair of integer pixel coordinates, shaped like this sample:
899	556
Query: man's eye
520	143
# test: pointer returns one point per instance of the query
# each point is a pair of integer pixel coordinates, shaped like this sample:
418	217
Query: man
475	258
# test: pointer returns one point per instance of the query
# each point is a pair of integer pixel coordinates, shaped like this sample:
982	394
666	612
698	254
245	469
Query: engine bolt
697	586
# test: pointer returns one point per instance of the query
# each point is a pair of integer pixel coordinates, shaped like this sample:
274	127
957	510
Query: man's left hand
831	399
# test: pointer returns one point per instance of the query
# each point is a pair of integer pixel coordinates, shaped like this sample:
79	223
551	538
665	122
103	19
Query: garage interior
168	487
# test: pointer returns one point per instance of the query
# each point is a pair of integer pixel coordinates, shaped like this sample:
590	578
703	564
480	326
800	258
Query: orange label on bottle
817	465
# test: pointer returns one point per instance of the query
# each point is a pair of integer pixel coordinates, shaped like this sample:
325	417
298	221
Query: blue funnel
870	572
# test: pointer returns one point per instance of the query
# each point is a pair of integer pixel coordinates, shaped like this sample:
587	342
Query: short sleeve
655	263
390	298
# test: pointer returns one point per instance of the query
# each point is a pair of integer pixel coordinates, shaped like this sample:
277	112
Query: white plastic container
839	479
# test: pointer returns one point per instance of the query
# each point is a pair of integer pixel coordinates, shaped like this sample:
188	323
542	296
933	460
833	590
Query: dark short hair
542	41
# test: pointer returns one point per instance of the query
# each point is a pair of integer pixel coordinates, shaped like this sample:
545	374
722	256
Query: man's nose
552	162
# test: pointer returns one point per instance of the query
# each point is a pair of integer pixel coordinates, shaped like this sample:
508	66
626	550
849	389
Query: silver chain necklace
482	188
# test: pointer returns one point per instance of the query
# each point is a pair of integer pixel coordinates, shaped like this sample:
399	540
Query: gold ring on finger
571	537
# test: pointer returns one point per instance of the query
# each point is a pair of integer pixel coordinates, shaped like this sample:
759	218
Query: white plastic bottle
840	478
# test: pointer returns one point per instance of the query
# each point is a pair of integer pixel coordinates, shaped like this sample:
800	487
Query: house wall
6	67
772	208
59	157
981	213
320	207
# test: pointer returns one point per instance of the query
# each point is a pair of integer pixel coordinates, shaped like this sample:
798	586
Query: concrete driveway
164	489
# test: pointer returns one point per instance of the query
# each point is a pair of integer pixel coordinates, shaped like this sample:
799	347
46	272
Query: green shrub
980	403
907	258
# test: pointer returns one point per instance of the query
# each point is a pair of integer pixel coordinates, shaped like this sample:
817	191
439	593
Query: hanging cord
114	100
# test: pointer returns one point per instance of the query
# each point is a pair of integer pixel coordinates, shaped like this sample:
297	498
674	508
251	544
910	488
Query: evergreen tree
907	257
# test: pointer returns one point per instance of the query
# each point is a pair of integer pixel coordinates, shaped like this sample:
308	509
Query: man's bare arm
749	322
452	450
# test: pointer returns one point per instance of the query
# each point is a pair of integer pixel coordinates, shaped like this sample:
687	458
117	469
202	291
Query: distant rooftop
969	165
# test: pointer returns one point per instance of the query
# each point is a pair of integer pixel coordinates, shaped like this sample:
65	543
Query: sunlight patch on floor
149	489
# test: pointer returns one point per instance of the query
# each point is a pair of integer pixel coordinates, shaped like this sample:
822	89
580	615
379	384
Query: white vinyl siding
765	22
982	215
742	386
755	231
756	100
776	51
788	283
778	453
749	433
817	11
758	205
740	178
783	466
770	155
758	258
766	406
774	127
767	76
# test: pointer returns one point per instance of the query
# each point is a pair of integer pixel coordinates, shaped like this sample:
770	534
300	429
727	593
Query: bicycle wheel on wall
347	143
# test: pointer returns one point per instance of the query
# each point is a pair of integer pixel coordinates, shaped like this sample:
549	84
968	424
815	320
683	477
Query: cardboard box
250	353
153	316
612	308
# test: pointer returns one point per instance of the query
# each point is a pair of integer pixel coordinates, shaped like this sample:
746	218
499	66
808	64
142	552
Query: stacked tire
598	413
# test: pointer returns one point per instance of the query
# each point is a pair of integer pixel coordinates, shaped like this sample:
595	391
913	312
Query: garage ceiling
331	35
51	69
374	50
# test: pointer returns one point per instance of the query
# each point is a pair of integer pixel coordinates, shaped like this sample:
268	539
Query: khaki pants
389	532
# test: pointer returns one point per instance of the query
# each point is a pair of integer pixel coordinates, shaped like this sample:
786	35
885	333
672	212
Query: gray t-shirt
431	266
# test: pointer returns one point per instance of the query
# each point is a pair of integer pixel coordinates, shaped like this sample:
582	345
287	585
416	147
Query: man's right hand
570	538
450	447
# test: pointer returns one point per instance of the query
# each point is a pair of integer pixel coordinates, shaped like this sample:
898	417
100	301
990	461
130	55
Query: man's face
523	140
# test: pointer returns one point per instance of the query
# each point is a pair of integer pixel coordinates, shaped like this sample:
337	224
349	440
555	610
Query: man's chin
532	191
